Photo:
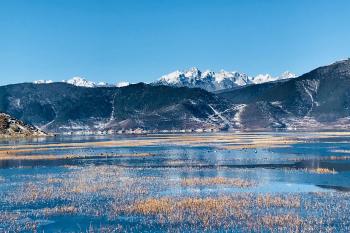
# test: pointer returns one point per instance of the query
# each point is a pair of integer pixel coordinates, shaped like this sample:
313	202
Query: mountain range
193	78
82	82
315	100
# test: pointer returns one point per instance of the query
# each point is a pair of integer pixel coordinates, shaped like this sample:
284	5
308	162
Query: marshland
215	182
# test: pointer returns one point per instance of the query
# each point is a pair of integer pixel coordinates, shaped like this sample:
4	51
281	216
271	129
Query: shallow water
117	183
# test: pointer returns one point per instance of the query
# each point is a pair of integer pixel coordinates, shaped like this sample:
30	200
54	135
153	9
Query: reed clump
226	212
282	221
322	171
60	210
235	182
204	211
268	201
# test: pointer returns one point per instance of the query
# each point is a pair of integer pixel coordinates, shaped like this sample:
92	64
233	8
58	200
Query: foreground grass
217	181
113	193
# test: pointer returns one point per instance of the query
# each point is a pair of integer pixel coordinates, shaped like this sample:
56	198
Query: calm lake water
228	182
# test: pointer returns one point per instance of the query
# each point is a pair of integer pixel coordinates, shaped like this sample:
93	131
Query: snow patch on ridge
41	81
82	82
122	84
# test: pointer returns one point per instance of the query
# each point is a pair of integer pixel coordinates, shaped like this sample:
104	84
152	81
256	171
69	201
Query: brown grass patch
217	181
277	201
322	171
282	221
14	156
226	212
60	210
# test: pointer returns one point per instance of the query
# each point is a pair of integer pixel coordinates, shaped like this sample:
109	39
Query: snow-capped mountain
263	78
80	82
76	81
213	81
286	75
42	81
207	80
103	84
122	84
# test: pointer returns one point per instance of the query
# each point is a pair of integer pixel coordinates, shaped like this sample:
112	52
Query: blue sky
141	40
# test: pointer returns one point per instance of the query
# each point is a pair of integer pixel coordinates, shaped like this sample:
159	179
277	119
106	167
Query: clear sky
141	40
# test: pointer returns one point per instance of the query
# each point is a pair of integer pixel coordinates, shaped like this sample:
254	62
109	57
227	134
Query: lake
218	182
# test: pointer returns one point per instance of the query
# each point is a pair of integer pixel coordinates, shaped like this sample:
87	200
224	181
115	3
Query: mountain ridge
216	81
59	107
207	80
318	99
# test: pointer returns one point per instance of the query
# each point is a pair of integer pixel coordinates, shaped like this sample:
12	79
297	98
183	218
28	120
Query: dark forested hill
319	98
60	107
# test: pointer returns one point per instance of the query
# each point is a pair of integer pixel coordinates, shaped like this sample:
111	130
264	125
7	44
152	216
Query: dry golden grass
32	192
105	180
121	143
9	217
224	212
341	151
281	221
52	180
226	141
223	141
60	210
322	171
177	162
111	192
268	201
217	181
14	156
235	140
332	157
204	211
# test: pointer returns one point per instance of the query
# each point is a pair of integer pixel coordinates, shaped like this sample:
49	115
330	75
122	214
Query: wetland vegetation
221	182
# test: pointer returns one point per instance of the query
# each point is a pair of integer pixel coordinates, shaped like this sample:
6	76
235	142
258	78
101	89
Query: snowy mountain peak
238	78
80	82
42	81
287	74
213	81
192	73
208	80
171	78
263	78
102	84
122	84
